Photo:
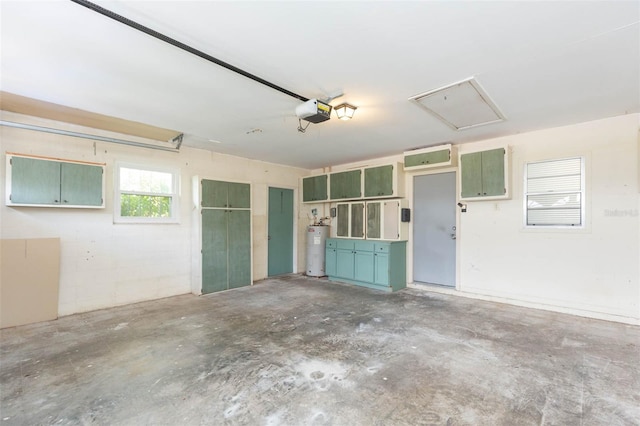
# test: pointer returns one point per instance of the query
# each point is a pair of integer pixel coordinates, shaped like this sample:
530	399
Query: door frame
296	231
409	188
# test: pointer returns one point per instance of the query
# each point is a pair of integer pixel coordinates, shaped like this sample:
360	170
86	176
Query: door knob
268	237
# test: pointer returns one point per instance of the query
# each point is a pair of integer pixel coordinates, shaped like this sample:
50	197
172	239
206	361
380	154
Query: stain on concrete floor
299	351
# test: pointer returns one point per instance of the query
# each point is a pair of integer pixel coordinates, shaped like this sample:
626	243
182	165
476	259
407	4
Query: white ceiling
543	63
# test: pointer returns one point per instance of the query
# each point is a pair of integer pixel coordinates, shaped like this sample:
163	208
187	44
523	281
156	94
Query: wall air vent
461	105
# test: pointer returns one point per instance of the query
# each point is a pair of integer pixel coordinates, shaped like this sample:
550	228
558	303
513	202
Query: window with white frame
554	193
146	194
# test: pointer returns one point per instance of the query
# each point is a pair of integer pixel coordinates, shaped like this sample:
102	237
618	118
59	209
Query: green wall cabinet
384	181
222	194
378	181
49	183
345	185
375	264
426	158
226	235
314	188
484	175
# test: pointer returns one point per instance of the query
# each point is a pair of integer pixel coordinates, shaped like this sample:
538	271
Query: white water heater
316	239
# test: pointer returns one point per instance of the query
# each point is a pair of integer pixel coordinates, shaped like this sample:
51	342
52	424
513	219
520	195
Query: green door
493	172
357	220
330	261
214	250
381	269
35	181
344	263
363	266
239	237
343	220
214	193
239	195
81	184
378	181
280	240
373	220
471	174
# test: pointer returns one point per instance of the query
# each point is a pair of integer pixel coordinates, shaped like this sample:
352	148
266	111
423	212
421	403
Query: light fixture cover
461	105
345	111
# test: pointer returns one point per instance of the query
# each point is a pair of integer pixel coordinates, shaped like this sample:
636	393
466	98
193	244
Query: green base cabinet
379	265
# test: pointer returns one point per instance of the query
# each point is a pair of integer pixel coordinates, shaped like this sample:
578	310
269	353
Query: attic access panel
461	105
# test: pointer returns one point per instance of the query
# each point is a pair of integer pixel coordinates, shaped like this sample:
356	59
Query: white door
434	229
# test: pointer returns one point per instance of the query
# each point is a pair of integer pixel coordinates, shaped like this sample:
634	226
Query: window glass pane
144	206
558	217
554	193
570	166
145	181
555	184
554	201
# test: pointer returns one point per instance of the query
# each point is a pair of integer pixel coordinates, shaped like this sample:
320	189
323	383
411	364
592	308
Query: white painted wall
105	264
592	271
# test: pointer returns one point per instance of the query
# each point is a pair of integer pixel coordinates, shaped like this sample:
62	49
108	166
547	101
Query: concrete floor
297	351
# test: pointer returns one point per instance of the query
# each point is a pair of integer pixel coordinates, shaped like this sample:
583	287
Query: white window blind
555	193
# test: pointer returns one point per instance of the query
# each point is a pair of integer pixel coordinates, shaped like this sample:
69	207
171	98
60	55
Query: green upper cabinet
239	195
38	182
378	181
34	181
439	156
484	174
80	184
314	189
221	194
346	185
384	181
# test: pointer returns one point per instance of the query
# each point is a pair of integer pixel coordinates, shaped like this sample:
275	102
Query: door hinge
11	161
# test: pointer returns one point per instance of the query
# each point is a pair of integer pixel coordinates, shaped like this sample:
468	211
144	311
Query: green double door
226	235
